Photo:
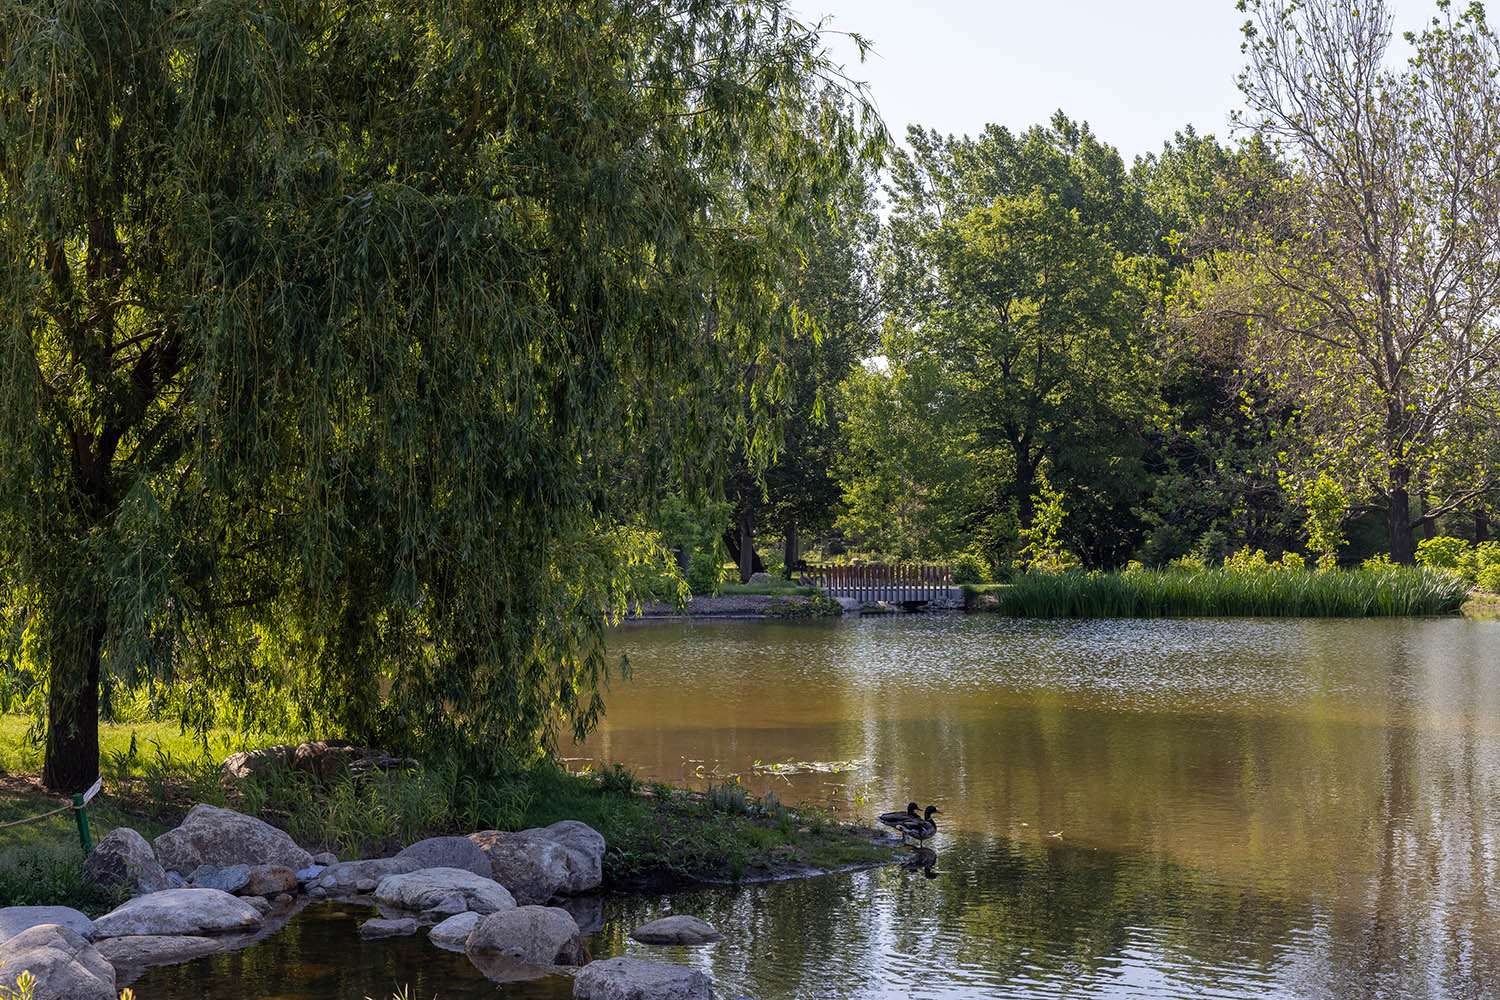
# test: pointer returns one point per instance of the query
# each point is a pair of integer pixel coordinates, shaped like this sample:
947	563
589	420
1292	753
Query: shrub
1488	579
1444	551
1326	506
1246	561
1292	561
970	568
705	573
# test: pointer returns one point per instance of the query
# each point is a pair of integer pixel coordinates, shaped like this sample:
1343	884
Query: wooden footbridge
906	584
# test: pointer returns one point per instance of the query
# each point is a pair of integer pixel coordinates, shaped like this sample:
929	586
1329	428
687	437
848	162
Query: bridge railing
908	582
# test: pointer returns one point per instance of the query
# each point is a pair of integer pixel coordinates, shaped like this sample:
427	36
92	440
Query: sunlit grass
1390	591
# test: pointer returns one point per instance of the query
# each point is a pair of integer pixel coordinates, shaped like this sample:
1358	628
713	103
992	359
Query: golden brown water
1208	808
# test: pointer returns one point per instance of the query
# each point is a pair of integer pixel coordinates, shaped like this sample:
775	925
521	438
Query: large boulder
222	837
531	935
679	928
231	879
345	877
15	919
66	966
453	934
179	911
428	887
269	880
537	864
449	852
637	979
123	858
585	847
136	951
258	763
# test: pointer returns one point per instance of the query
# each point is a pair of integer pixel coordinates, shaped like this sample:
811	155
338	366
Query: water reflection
1130	809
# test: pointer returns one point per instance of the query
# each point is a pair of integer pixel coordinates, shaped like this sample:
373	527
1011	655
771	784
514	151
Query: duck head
911	808
930	810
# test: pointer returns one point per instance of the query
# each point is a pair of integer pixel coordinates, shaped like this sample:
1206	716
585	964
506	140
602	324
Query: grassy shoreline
658	835
1271	591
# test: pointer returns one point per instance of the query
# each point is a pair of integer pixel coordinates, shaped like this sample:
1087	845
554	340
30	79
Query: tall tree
1381	270
324	324
1016	261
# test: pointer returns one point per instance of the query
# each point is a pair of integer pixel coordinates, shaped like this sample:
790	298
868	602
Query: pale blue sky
1135	70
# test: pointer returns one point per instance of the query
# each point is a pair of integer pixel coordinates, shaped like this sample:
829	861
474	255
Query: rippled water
1207	808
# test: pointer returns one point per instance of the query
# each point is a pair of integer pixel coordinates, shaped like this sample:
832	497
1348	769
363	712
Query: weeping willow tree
328	328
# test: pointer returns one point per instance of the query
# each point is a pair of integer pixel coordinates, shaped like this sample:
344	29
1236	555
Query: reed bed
1387	591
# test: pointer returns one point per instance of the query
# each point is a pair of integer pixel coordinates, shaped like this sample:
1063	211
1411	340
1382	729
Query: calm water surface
1224	808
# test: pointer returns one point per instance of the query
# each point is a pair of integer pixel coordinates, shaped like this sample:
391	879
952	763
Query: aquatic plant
1245	587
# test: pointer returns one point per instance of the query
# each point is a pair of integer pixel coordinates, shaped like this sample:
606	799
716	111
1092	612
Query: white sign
88	796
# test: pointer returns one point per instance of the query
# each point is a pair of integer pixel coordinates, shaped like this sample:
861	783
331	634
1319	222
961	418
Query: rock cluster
223	880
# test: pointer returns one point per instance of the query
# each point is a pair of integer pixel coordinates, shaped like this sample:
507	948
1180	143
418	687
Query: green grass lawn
153	774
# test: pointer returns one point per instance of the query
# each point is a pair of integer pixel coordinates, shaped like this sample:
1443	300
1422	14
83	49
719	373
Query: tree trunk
1398	517
72	758
747	546
1481	525
790	551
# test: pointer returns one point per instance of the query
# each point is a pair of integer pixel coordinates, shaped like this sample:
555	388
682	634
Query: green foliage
1261	590
1478	564
970	568
705	573
1327	506
328	328
1044	551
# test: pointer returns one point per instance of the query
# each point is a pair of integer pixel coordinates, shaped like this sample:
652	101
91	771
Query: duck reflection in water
922	859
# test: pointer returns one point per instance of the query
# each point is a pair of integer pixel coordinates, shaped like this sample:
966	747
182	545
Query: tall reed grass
1274	591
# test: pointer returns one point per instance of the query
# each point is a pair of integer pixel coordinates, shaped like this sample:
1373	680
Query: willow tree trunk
790	552
72	758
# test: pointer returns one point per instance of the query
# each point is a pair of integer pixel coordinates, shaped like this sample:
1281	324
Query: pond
1224	808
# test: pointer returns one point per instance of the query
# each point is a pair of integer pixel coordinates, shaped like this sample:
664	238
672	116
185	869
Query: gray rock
140	950
175	881
449	852
231	879
533	868
453	933
537	864
179	911
756	579
310	872
677	929
269	880
325	859
262	904
450	905
529	935
257	763
637	979
344	877
124	858
366	885
378	928
283	899
422	890
66	966
15	919
317	892
585	847
222	837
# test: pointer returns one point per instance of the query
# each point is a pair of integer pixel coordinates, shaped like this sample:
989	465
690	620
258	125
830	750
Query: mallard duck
921	828
899	820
